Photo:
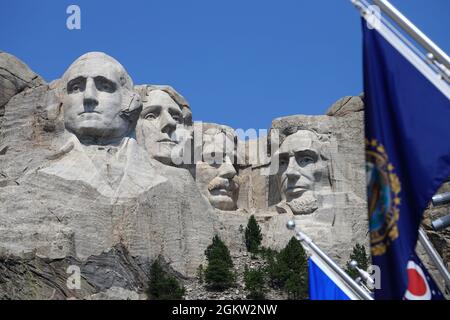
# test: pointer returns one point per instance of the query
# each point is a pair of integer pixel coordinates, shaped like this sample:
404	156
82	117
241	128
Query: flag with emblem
407	114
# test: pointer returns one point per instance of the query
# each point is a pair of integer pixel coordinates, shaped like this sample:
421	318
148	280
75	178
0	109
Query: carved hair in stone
165	123
98	100
216	173
303	171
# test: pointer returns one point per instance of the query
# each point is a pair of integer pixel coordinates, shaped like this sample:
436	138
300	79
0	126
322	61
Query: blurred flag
407	117
325	284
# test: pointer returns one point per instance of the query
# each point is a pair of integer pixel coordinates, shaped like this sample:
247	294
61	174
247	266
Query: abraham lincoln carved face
302	168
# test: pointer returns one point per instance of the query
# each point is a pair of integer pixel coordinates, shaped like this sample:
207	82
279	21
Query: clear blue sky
238	62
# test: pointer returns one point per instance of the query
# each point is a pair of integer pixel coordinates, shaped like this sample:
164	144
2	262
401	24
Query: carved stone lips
86	112
223	187
223	191
295	189
166	140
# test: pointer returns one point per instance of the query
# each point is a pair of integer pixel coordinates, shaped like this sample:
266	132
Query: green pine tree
288	270
253	235
359	255
218	250
294	270
218	274
255	283
163	286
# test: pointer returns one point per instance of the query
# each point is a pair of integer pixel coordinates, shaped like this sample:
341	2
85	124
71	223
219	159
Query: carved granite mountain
101	206
88	179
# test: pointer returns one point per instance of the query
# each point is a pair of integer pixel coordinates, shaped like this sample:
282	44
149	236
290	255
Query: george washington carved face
97	98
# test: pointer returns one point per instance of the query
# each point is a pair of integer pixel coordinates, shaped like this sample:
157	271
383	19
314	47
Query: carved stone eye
104	84
150	116
106	87
76	85
303	161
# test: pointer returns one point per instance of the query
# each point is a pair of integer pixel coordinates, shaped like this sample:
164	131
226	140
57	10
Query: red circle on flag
418	288
416	283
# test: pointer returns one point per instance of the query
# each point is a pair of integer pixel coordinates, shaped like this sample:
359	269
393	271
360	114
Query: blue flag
324	284
407	123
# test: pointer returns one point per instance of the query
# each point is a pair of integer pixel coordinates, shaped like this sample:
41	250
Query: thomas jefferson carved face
160	121
97	91
301	170
215	174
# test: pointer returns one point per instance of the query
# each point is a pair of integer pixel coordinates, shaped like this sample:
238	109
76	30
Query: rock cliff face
111	208
56	211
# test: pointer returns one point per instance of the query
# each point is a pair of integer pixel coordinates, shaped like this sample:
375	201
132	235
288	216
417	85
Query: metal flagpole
362	293
426	243
435	56
414	32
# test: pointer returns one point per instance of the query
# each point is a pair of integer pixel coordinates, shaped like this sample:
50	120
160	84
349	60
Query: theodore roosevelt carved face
216	172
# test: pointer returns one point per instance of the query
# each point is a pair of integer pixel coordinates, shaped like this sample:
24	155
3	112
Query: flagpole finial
290	225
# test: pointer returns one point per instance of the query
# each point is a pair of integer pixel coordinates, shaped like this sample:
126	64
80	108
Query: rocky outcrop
15	76
346	105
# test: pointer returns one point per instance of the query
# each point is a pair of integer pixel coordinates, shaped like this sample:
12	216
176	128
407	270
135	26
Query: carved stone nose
227	171
168	124
292	171
292	174
90	96
90	103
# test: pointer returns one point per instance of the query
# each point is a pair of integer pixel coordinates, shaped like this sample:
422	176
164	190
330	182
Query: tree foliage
218	274
255	283
359	255
163	286
288	270
253	235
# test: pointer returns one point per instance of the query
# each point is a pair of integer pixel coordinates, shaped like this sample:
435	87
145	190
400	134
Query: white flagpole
434	256
433	68
414	32
362	293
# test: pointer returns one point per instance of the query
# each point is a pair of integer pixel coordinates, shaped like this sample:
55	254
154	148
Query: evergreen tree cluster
218	274
163	286
288	270
360	256
255	281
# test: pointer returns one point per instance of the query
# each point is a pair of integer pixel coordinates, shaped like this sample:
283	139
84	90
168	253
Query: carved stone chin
306	204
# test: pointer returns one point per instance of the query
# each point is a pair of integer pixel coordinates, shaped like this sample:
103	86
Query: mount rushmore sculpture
105	175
